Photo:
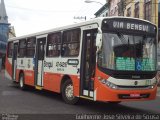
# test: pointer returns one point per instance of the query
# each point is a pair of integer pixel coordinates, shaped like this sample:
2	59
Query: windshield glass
128	52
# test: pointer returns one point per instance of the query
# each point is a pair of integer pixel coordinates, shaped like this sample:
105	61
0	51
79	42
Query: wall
154	9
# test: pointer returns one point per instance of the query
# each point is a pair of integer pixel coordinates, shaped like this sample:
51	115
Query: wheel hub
69	92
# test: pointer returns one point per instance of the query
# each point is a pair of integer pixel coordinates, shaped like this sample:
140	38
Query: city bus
108	59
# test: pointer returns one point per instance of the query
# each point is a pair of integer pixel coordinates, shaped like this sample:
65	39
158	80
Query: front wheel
67	93
21	81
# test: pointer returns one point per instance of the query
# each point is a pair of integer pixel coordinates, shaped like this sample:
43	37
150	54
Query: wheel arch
20	72
64	78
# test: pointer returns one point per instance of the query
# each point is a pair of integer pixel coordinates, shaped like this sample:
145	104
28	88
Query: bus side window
10	50
71	43
54	44
30	46
22	48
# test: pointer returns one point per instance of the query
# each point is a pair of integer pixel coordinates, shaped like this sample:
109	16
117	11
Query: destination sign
129	25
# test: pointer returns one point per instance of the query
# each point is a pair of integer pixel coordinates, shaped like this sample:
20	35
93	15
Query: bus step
86	97
38	87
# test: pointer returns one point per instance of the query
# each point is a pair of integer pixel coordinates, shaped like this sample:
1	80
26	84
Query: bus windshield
128	52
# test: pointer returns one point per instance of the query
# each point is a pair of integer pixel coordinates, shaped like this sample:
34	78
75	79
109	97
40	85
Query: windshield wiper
122	38
125	41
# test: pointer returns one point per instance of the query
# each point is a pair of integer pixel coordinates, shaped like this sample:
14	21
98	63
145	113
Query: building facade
4	31
159	21
113	7
103	11
143	9
158	51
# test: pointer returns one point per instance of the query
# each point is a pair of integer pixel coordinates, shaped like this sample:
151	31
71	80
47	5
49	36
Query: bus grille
133	87
128	96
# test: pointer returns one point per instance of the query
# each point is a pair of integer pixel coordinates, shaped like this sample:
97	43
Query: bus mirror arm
99	41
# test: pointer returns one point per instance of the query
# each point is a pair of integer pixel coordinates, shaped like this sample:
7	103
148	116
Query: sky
30	16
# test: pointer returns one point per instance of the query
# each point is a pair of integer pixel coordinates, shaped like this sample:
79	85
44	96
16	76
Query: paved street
15	101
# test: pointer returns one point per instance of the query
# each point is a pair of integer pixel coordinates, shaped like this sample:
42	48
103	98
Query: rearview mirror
99	40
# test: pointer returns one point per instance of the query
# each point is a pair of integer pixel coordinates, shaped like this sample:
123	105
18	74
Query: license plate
134	95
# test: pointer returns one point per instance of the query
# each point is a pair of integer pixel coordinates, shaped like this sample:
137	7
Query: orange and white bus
110	59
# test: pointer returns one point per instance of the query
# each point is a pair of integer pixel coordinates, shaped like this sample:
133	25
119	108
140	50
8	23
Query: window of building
10	49
129	12
53	44
147	10
136	10
31	42
22	48
71	43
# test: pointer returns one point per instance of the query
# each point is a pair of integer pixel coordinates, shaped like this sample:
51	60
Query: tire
21	82
67	93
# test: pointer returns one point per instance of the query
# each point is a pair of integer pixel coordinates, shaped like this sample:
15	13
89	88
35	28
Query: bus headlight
109	84
153	85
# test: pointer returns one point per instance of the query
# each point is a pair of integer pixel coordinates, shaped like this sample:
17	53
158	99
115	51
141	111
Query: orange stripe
8	67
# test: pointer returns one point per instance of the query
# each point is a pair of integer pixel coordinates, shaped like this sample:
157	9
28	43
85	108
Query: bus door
88	63
39	61
14	60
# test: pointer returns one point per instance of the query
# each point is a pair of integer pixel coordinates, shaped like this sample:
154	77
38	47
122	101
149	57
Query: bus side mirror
99	41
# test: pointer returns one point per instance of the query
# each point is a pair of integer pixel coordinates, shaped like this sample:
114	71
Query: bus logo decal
48	64
136	83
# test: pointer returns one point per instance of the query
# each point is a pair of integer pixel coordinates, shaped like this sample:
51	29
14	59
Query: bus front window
128	52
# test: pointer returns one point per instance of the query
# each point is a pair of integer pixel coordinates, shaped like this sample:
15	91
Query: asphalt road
33	102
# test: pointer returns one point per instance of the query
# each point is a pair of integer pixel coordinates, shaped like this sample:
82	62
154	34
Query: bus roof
75	25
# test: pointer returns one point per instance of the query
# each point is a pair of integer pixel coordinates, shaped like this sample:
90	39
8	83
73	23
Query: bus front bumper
105	94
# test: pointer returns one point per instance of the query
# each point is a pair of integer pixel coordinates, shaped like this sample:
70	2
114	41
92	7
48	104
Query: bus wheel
67	93
21	81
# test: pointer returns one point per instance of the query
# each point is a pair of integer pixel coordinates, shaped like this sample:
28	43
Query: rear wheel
67	93
21	81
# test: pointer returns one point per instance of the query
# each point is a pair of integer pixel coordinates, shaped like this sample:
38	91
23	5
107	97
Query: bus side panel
8	65
17	75
29	77
76	84
52	82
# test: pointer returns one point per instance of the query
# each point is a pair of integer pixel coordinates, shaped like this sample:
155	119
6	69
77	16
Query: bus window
10	49
22	48
71	43
30	46
53	44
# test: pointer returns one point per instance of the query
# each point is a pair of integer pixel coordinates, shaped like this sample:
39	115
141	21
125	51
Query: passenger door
39	61
88	62
14	60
